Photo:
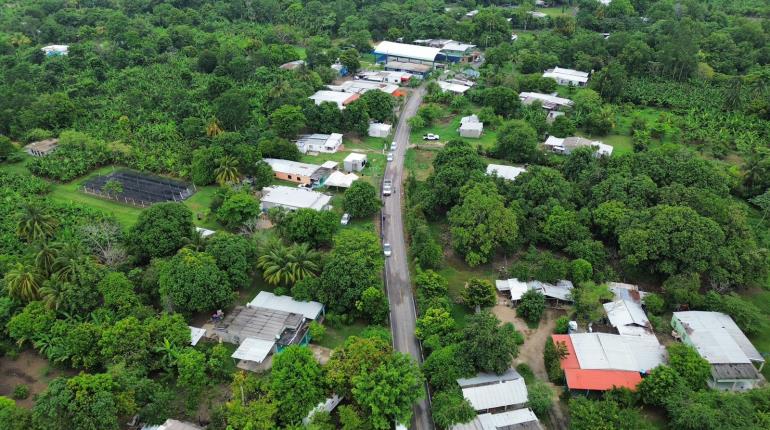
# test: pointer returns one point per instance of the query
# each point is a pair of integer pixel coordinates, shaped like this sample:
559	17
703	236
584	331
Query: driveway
397	281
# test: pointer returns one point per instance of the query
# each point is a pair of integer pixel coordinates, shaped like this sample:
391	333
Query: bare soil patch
29	369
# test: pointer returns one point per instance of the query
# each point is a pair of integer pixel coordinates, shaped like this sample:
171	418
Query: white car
430	136
390	156
393	146
345	219
386	249
387	187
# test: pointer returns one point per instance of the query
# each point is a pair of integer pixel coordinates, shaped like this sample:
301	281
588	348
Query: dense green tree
295	380
233	109
481	224
489	346
503	101
279	148
126	341
445	365
361	199
531	306
686	361
589	414
450	407
6	148
160	231
436	322
660	385
237	208
13	417
374	305
192	282
609	81
478	293
389	392
355	357
517	142
287	121
541	397
204	163
316	228
234	255
31	324
379	105
588	298
351	60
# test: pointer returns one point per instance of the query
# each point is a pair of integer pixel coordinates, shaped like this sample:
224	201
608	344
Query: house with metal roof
471	127
390	77
735	362
294	171
403	57
267	300
341	99
291	198
506	172
601	361
354	162
512	286
316	142
561	292
340	180
42	148
292	65
547	101
361	86
567	76
488	392
171	424
452	51
453	87
628	318
520	419
566	145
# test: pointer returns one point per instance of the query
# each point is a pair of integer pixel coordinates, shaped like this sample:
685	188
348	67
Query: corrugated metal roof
717	338
501	420
487	390
339	179
601	380
295	197
628	317
291	167
415	52
506	172
196	334
560	291
267	300
254	350
617	352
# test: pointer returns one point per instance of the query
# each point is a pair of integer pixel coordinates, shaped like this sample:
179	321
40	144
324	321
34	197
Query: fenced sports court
139	189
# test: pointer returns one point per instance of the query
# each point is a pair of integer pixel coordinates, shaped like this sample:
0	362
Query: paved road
402	307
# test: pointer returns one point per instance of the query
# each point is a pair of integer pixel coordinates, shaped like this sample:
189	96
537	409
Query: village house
291	198
339	98
487	392
294	171
42	148
519	419
471	127
567	76
354	162
549	102
566	145
506	172
735	362
399	78
326	143
378	129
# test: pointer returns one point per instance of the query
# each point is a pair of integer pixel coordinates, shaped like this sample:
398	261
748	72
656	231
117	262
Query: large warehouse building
402	57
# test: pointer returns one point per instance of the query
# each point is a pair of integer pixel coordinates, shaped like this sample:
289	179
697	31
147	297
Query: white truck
387	187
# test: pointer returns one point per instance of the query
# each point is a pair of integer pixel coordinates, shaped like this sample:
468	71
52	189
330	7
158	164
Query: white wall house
567	76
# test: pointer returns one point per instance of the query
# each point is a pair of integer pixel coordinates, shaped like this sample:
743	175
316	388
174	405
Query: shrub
21	392
552	355
317	331
562	325
531	307
540	397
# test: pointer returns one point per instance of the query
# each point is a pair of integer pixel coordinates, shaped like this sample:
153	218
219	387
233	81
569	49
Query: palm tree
283	264
303	262
35	223
195	242
213	128
227	172
46	258
67	261
23	282
51	295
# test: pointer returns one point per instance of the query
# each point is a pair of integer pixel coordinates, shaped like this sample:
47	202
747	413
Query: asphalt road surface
399	286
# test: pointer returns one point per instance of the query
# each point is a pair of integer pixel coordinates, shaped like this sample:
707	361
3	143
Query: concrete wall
293	178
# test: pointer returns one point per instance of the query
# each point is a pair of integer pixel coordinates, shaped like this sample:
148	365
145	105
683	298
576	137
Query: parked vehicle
430	136
345	219
387	187
393	146
386	249
390	156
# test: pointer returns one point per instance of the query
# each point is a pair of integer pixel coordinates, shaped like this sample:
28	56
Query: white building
378	129
402	57
471	127
362	86
568	144
506	172
513	286
488	392
548	101
340	180
520	419
339	98
567	76
267	300
54	50
735	362
327	143
397	78
354	162
293	198
453	87
628	318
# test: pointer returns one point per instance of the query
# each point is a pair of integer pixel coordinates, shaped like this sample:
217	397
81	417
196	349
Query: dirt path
531	352
28	369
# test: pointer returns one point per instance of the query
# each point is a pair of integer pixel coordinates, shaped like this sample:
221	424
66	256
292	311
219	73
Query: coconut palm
283	264
35	223
67	261
23	282
45	258
213	128
227	172
52	294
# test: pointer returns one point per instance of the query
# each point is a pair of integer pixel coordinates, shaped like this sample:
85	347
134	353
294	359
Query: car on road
387	187
390	156
393	145
386	249
345	219
431	136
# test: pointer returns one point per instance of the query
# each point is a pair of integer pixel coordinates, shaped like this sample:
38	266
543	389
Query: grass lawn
555	11
446	128
419	162
621	144
335	336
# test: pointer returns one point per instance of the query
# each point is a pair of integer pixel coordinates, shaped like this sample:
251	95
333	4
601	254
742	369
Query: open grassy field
447	128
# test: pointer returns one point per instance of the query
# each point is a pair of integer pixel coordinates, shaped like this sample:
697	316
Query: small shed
377	129
470	126
42	148
341	180
487	392
354	162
